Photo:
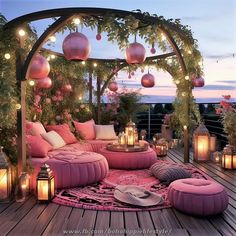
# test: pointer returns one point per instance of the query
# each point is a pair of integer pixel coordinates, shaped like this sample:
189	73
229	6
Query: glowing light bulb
48	58
146	67
189	52
21	32
200	63
31	83
7	56
163	37
80	98
185	127
183	94
186	77
18	106
53	56
169	60
53	38
95	64
76	20
177	81
83	62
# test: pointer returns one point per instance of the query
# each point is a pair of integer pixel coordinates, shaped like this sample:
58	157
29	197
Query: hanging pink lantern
132	73
45	83
76	46
135	53
198	82
148	80
39	67
153	50
113	86
98	37
67	88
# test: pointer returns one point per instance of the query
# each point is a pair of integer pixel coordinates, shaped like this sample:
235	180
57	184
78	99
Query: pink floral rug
99	196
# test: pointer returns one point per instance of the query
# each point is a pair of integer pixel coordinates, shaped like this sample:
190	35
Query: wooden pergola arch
65	15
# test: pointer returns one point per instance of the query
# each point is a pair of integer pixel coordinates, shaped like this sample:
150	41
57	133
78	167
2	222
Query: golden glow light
31	83
183	94
21	32
95	64
185	127
200	63
48	58
53	56
186	77
169	60
177	81
83	62
189	52
53	38
163	37
80	98
7	56
18	106
76	20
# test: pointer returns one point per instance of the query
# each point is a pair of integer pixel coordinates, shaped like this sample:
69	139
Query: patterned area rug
99	196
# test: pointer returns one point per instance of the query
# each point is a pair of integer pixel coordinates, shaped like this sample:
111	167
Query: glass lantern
45	184
25	183
129	131
161	149
122	139
229	158
216	157
201	143
5	177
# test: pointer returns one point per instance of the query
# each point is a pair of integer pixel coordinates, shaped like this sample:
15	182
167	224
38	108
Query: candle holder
129	131
229	158
216	157
160	148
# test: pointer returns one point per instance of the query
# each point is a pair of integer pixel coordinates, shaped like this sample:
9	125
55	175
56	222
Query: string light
200	63
177	81
31	82
48	58
189	52
18	106
53	56
185	127
186	77
183	94
146	67
21	32
53	38
76	21
7	56
169	60
95	64
80	98
163	37
83	62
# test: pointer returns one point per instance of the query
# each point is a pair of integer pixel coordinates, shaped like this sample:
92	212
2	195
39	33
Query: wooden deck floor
30	218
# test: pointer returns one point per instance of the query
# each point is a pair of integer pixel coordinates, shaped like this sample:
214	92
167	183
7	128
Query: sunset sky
212	21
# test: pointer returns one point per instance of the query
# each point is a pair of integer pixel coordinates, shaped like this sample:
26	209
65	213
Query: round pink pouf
129	160
198	196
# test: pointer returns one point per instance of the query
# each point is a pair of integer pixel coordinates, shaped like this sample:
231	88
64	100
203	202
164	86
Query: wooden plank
132	223
117	224
146	223
13	215
4	206
56	223
102	223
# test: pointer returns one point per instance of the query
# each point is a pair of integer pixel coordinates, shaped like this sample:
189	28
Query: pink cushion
86	129
129	160
198	196
34	128
72	168
64	131
97	144
37	146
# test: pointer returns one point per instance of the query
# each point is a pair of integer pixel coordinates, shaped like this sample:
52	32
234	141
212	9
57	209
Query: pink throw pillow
37	146
34	128
64	131
86	129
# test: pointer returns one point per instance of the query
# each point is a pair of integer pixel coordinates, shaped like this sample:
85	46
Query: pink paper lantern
148	80
198	82
76	46
39	67
153	50
98	37
67	88
135	53
45	83
113	86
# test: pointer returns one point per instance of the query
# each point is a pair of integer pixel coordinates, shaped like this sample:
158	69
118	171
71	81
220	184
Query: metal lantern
129	131
45	83
216	157
160	148
113	86
45	184
135	53
201	143
148	80
76	46
229	158
39	67
5	177
198	82
212	143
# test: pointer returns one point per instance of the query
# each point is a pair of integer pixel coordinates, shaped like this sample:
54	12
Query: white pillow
105	132
54	139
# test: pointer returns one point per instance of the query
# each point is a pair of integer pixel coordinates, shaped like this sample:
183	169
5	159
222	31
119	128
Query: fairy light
53	38
200	63
95	64
31	83
177	81
76	21
189	52
48	58
53	56
183	94
185	127
7	56
163	37
146	67
18	106
80	98
186	77
169	60
21	32
83	62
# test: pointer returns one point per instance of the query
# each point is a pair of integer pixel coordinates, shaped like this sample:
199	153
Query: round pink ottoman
129	160
198	196
73	169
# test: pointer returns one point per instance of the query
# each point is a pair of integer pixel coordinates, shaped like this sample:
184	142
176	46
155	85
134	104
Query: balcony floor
30	218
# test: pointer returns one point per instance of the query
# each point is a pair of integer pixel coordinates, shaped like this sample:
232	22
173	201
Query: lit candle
3	184
227	160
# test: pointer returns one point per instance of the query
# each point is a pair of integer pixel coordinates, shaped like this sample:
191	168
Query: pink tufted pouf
198	196
72	168
129	160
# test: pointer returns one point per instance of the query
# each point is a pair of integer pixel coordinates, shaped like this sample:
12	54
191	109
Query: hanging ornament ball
45	83
198	82
67	88
135	53
113	86
39	68
132	73
76	47
153	50
98	37
148	80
